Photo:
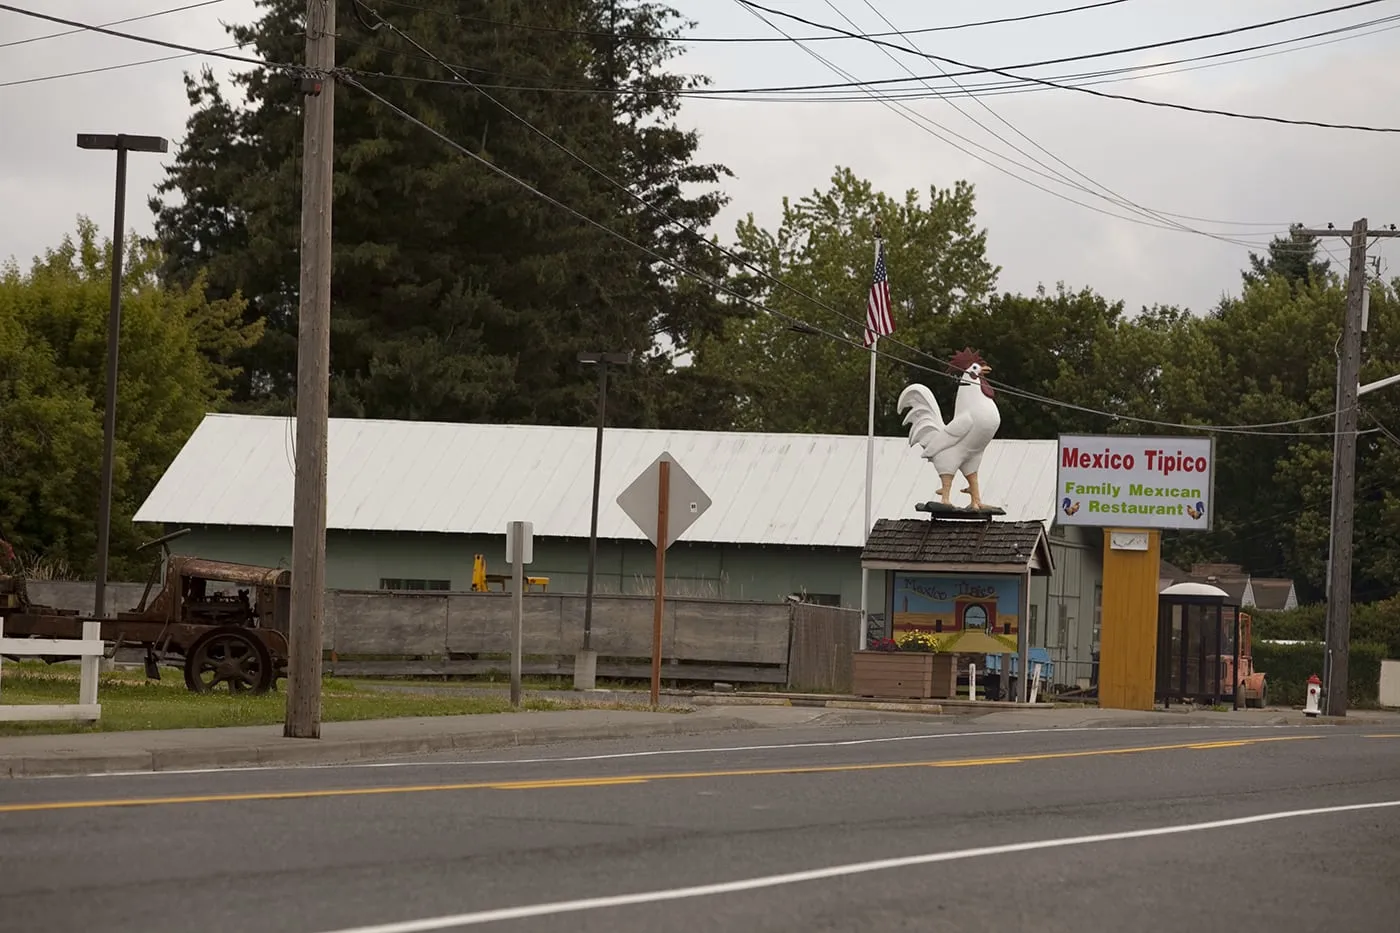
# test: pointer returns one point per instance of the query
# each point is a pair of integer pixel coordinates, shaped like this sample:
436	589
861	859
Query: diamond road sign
686	502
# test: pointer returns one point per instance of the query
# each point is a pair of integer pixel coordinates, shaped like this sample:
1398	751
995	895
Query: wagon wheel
232	656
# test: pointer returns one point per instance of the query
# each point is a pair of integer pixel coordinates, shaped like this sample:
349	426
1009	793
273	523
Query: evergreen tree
457	294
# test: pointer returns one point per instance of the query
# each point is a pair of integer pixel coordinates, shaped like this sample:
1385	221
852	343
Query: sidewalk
244	746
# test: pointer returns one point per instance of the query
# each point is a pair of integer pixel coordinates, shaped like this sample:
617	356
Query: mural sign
966	613
1136	482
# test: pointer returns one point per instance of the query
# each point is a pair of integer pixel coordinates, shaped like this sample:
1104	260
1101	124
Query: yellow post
1128	640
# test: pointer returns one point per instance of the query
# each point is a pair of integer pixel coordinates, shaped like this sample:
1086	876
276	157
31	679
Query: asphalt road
896	827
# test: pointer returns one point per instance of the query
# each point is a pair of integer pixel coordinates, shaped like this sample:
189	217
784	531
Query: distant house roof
1274	593
934	544
770	489
1170	572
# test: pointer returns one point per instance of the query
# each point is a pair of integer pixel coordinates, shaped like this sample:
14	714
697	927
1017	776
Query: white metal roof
792	489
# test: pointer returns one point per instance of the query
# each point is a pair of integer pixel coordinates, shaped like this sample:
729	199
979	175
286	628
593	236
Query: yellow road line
615	780
1385	735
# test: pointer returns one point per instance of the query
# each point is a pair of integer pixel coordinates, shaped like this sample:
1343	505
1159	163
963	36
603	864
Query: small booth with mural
957	588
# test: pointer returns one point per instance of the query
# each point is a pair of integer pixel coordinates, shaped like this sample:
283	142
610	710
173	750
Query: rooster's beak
986	369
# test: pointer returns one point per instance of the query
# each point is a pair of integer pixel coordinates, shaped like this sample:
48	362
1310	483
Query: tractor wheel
1263	699
229	655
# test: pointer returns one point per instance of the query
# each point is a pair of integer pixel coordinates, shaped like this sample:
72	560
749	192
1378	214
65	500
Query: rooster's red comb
965	358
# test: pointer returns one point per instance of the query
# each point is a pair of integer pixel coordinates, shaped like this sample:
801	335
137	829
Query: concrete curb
815	702
322	752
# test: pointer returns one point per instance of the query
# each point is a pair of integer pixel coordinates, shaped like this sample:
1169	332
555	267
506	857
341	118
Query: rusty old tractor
225	623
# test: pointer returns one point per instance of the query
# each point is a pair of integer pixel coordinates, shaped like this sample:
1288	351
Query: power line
596	34
1116	198
1104	94
345	76
1023	84
1020	85
791	319
85	27
924	123
385	24
106	68
115	22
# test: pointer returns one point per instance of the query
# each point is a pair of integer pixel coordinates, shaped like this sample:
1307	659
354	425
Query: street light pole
586	663
121	143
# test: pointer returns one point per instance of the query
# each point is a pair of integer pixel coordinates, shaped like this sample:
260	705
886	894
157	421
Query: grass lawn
130	702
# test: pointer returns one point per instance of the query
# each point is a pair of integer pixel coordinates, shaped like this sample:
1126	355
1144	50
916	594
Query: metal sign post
663	490
663	502
520	551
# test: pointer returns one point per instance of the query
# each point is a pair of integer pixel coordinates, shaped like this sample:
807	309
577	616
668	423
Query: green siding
359	560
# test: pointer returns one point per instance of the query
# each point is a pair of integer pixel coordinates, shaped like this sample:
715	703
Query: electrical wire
115	22
1103	76
1115	197
278	66
1103	94
926	124
792	320
1002	86
349	79
383	23
594	34
106	68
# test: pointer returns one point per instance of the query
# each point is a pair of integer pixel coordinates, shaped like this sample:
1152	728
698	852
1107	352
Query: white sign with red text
1135	482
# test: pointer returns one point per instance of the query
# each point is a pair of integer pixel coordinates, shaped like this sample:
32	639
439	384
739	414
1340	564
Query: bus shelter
1198	644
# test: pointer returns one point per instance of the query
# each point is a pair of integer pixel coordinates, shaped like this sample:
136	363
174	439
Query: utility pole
586	662
1338	638
313	378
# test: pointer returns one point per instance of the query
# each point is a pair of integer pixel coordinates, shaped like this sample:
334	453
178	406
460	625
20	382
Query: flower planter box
903	674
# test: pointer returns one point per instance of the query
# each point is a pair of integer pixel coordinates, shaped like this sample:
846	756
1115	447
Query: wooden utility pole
313	379
1335	663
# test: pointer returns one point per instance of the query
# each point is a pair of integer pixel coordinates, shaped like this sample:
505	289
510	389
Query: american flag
879	321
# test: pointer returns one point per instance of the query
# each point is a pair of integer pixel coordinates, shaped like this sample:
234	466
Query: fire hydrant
1314	695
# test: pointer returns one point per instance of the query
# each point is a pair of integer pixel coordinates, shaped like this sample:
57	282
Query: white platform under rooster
955	446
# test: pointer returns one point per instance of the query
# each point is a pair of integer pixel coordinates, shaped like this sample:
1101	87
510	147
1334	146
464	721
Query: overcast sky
1247	178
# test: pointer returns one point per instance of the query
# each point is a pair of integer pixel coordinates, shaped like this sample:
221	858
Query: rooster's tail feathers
925	418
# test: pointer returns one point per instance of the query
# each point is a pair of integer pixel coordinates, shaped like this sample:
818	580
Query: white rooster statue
955	446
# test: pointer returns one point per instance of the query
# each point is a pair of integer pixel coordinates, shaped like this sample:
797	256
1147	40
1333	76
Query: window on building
396	583
1098	617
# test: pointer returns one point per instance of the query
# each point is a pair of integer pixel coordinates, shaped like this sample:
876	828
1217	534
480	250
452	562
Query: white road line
651	753
836	871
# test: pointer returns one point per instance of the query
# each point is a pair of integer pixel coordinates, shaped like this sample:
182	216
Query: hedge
1289	666
1370	622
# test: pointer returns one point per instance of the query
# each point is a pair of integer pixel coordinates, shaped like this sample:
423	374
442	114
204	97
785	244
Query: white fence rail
90	648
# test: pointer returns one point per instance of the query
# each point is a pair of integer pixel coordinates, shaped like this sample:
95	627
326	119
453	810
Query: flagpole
869	489
869	467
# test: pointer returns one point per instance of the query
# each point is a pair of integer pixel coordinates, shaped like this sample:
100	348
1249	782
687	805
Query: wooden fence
403	634
399	634
823	638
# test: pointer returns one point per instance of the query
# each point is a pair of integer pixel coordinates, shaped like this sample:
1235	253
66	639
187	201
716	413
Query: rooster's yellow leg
974	492
945	493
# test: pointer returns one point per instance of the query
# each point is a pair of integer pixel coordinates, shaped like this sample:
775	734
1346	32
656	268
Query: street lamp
1341	498
121	143
586	664
1378	384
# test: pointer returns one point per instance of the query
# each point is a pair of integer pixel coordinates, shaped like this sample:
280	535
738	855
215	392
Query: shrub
1377	623
1289	666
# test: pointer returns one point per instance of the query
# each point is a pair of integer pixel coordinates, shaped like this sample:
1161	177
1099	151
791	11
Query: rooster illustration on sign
957	445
